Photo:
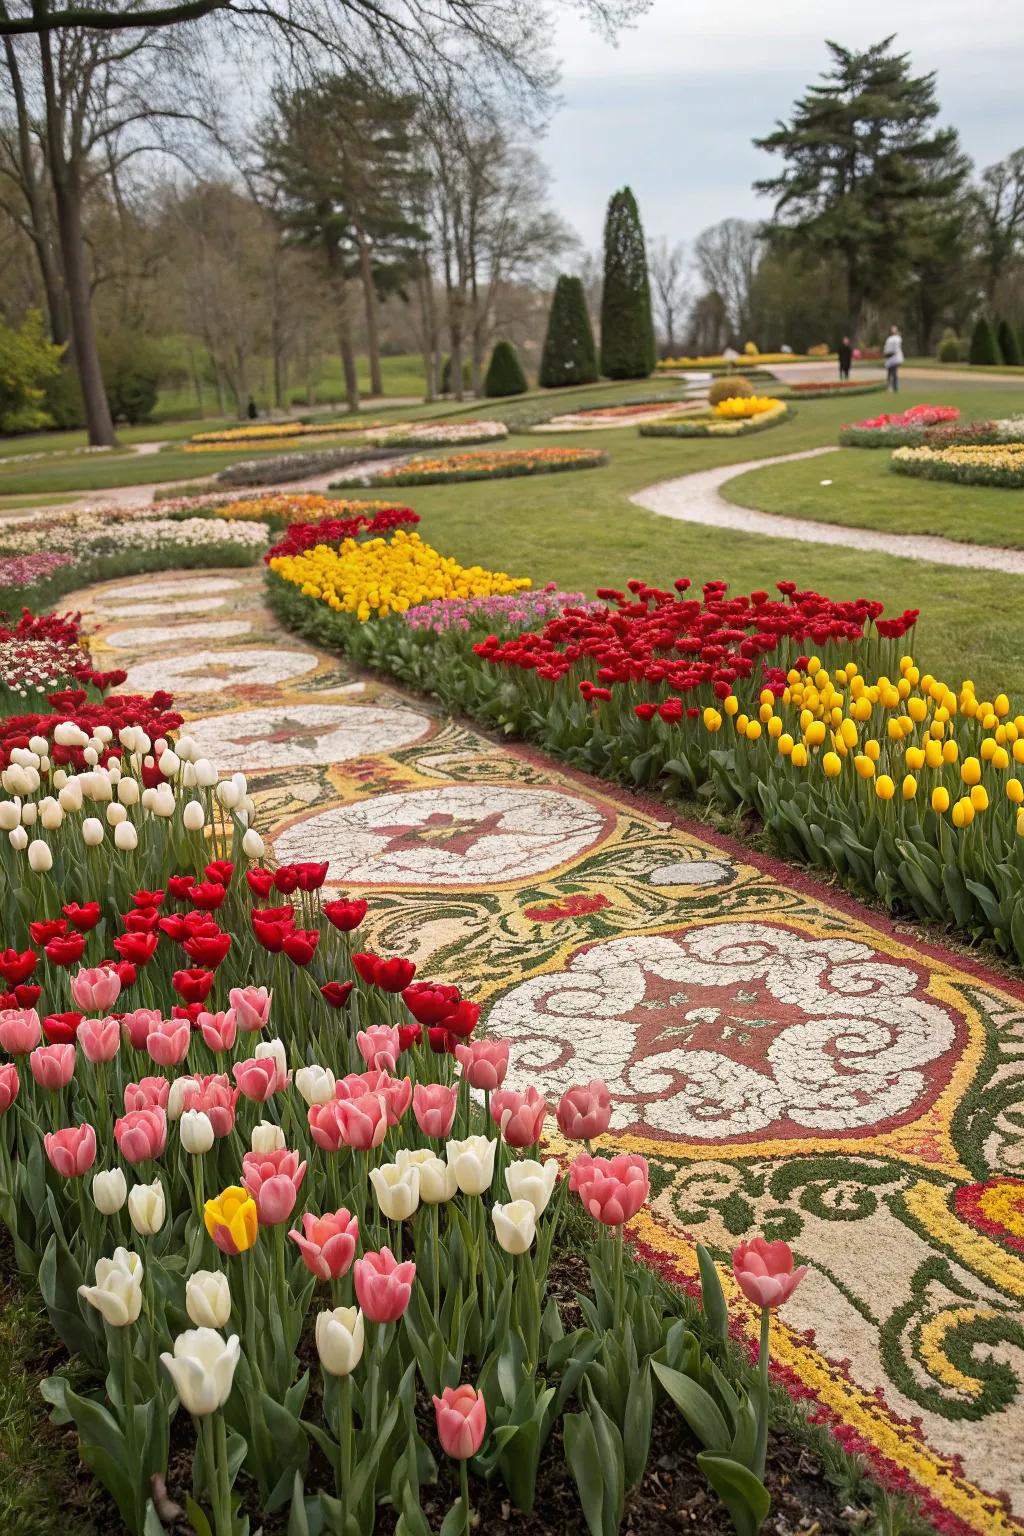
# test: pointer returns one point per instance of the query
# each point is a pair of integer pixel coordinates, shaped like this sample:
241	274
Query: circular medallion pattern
304	735
219	671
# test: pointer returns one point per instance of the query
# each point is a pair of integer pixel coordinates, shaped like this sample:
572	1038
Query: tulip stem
345	1449
761	1444
279	1267
619	1242
223	1479
464	1492
435	1245
248	1278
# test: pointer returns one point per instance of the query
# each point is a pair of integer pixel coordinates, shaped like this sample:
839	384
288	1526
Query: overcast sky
673	108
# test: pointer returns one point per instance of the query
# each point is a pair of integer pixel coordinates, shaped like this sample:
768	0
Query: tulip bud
60	778
397	1190
125	837
163	802
202	1369
50	814
193	816
39	745
196	1131
18	839
10	815
208	1298
186	748
147	1208
532	1181
180	1089
169	764
128	791
109	1191
40	859
515	1225
92	832
252	844
315	1084
339	1340
115	814
227	794
206	773
29	813
91	756
437	1178
267	1137
70	796
473	1162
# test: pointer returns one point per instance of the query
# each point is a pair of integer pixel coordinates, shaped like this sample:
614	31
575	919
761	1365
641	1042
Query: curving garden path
695	499
787	1062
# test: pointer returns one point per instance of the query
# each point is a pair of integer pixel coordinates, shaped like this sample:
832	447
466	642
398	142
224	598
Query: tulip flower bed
729	418
280	468
897	428
335	530
281	511
484	464
1000	466
273	432
243	1145
42	653
822	389
437	434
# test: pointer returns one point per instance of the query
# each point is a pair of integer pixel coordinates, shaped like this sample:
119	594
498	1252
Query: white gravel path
695	499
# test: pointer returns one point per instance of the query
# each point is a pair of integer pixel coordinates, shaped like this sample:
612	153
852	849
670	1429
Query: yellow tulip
775	727
741	724
932	754
815	733
940	799
979	797
915	758
753	730
917	709
1001	759
950	752
1001	705
872	750
1015	791
864	766
909	786
861	709
785	744
231	1219
963	813
712	720
766	697
831	765
1018	750
884	787
848	731
765	712
988	746
1020	823
970	770
798	756
731	704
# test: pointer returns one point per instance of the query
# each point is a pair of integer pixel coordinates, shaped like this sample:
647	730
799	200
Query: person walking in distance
845	354
893	354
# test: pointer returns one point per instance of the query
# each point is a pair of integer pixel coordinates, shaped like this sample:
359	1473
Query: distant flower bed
28	570
998	465
281	510
729	418
595	417
822	389
717	360
482	465
437	434
282	468
272	432
897	429
505	613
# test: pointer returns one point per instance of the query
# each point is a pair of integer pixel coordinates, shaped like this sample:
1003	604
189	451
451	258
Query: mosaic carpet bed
785	1061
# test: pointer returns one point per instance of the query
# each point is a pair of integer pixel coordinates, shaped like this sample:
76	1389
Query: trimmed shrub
131	373
984	347
627	328
730	389
1008	343
505	374
948	350
569	355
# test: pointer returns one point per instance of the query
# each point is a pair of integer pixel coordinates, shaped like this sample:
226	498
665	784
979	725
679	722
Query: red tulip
15	967
327	1243
141	1134
273	1179
19	1030
429	1003
260	882
192	986
208	949
53	1066
461	1414
383	1286
585	1112
180	886
285	879
84	917
764	1272
345	915
270	935
72	1151
408	1034
220	871
144	920
434	1106
207	895
520	1115
42	932
336	993
300	945
100	1039
147	898
310	876
138	948
26	995
484	1063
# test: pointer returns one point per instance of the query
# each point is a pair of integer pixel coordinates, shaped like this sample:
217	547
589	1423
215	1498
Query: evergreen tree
505	374
1008	343
984	348
862	158
569	355
627	329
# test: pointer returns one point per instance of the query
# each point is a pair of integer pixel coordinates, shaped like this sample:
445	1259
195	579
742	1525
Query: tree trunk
348	356
40	223
370	302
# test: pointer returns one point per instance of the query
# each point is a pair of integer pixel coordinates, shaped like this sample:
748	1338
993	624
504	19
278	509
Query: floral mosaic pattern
790	1064
294	735
217	629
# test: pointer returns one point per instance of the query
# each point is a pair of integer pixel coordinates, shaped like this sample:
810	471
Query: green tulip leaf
744	1495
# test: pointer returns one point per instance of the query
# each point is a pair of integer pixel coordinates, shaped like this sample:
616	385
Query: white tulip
147	797
170	762
186	748
339	1340
128	791
109	1191
98	786
253	845
29	813
515	1225
181	1088
397	1190
91	756
50	814
239	781
267	1137
125	837
115	814
118	1289
227	795
196	1131
39	745
18	839
70	795
92	832
114	773
242	817
275	1051
533	1181
473	1161
40	859
315	1084
44	765
147	1207
202	1369
103	733
60	778
163	804
206	773
437	1178
10	815
187	776
208	1298
194	816
68	734
16	780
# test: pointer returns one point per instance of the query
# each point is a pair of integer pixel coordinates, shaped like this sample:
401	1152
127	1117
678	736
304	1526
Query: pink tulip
141	1134
379	1046
53	1066
461	1421
273	1179
147	1093
96	990
383	1286
19	1030
168	1040
585	1112
434	1107
251	1007
10	1086
395	1091
579	1170
217	1099
100	1039
72	1151
520	1115
327	1243
219	1029
484	1063
612	1190
257	1078
764	1271
137	1025
362	1122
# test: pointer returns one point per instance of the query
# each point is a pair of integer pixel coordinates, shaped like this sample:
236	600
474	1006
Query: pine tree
627	329
505	374
1008	343
984	349
569	355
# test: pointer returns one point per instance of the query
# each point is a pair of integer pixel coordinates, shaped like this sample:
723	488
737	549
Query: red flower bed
335	530
72	706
